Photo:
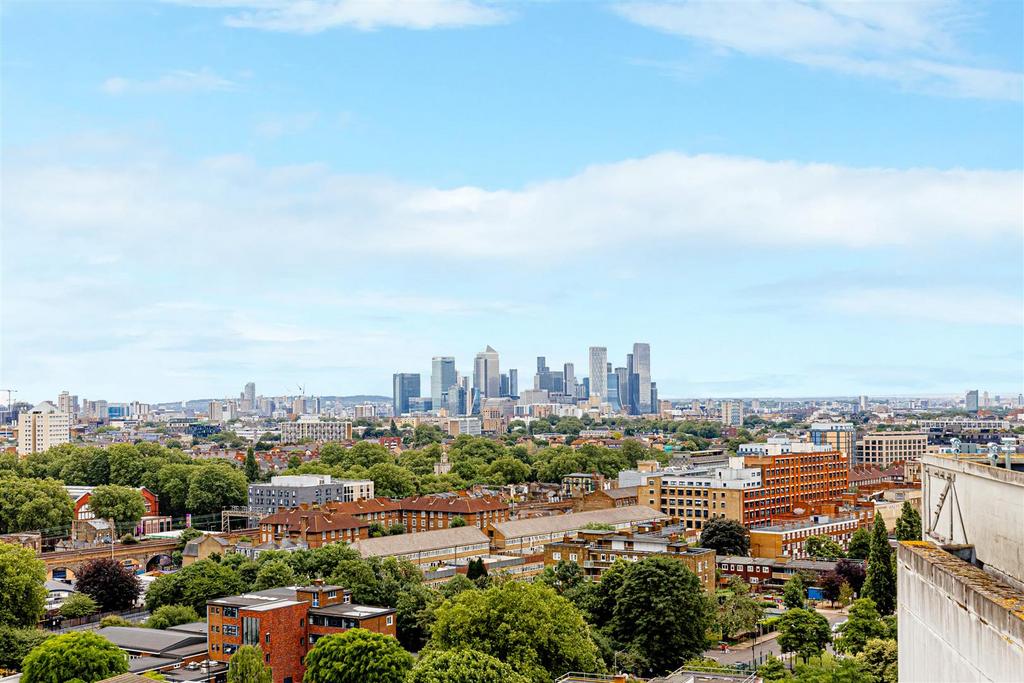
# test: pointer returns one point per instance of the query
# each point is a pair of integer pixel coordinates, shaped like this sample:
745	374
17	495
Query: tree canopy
726	536
880	584
357	656
80	654
908	524
112	585
525	625
22	575
462	666
804	632
246	666
122	504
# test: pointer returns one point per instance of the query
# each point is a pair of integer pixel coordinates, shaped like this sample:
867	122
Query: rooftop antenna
9	408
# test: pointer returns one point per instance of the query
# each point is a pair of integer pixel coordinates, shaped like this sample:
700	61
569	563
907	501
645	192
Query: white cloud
238	209
944	305
177	81
278	125
908	43
314	16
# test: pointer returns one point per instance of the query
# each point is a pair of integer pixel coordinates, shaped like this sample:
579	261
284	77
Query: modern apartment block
285	624
885	448
787	539
595	551
42	428
840	435
732	413
288	491
313	428
765	481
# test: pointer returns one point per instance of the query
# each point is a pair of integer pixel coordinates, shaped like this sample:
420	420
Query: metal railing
582	677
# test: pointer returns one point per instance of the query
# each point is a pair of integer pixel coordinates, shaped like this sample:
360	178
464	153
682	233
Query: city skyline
836	210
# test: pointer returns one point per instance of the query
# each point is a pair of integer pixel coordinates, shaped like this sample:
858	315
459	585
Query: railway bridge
144	555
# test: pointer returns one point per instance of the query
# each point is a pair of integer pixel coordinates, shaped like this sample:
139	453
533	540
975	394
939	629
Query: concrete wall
984	507
956	622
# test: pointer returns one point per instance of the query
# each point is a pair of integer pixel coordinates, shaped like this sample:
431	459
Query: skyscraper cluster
626	389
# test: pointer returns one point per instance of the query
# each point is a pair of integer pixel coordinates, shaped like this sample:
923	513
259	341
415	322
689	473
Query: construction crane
9	408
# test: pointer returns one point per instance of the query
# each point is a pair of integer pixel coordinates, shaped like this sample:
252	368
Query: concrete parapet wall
957	623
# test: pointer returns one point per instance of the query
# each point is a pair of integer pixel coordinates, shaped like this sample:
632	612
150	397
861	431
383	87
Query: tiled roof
452	503
620	493
405	544
364	507
574	521
317	520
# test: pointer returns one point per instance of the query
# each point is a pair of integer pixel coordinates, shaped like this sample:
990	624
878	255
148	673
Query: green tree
356	656
415	614
661	613
252	468
213	487
457	521
246	666
860	545
126	465
16	643
392	481
880	584
739	612
794	593
773	669
476	569
908	524
880	658
462	666
823	548
122	504
845	594
804	632
23	597
80	654
564	577
78	605
167	616
112	585
508	470
864	623
726	536
193	586
538	633
32	504
274	574
828	669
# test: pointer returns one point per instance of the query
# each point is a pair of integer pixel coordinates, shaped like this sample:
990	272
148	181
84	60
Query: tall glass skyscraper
599	372
442	376
486	374
405	385
642	370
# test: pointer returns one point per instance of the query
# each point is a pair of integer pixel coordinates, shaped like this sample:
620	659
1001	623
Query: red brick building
314	526
380	510
285	624
428	513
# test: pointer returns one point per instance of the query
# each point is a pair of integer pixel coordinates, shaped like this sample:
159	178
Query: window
230	630
390	620
556	556
230	613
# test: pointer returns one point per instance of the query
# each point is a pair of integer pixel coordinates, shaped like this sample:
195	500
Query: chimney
304	528
318	582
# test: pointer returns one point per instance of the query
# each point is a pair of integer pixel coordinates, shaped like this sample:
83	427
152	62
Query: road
768	645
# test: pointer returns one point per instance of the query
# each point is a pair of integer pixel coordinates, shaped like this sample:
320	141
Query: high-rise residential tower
642	369
487	374
569	379
442	377
513	382
405	385
249	394
42	428
599	372
971	401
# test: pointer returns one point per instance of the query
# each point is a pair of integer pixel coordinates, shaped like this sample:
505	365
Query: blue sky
784	199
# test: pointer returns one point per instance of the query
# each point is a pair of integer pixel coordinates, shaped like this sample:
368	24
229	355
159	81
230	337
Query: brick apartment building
384	511
605	499
787	539
429	513
286	623
312	526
